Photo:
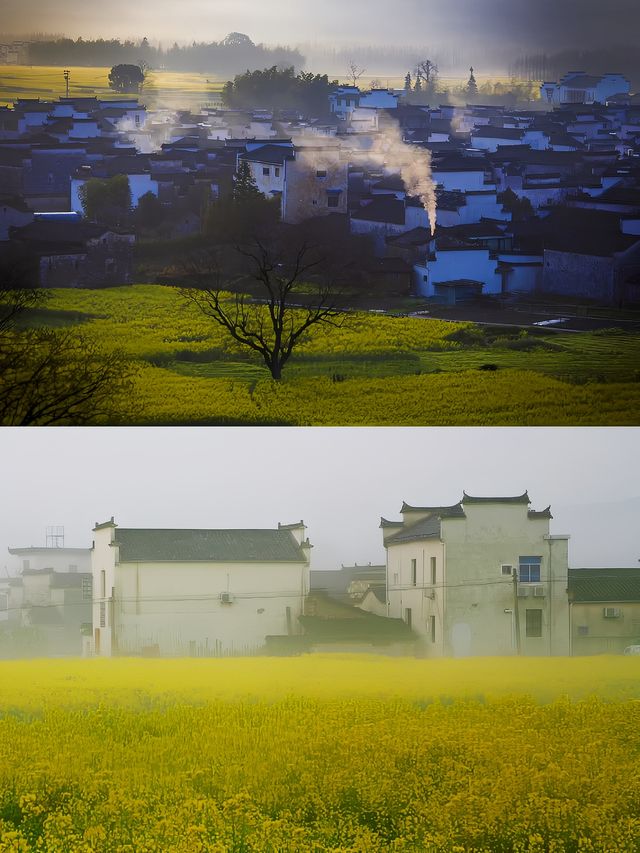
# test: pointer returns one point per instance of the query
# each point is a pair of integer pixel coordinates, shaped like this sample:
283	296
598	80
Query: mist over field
340	481
455	30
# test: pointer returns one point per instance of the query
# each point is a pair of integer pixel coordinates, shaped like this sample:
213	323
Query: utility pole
516	612
66	74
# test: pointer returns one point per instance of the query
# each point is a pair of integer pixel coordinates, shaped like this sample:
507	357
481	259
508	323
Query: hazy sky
340	481
546	24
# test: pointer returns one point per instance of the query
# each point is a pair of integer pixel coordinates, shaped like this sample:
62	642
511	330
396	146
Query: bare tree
428	72
52	376
355	72
273	326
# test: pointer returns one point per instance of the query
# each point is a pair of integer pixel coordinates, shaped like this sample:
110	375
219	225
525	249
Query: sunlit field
162	88
341	753
374	370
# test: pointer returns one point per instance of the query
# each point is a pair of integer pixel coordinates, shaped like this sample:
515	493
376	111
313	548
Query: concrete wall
58	559
308	194
587	276
593	633
450	265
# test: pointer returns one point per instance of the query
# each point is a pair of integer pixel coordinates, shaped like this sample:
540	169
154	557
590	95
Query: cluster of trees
106	200
229	56
279	89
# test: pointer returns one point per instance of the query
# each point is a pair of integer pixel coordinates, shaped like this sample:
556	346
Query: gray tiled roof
596	585
426	528
239	546
448	511
517	499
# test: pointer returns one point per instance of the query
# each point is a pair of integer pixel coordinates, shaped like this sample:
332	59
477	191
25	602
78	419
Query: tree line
233	54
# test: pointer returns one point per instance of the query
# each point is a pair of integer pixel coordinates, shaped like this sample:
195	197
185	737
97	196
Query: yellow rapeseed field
341	753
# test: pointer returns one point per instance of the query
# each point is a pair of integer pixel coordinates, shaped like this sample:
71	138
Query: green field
162	88
375	370
343	753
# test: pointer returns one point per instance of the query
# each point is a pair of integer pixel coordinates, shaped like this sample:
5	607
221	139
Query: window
289	624
73	569
25	565
506	570
87	589
321	173
583	630
432	628
533	623
103	584
414	572
407	616
529	569
266	171
433	570
395	579
103	614
276	171
333	200
611	612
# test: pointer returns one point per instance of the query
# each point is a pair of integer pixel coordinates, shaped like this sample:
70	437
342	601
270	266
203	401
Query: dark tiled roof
68	580
240	546
448	511
586	232
595	585
517	499
60	231
543	513
489	132
382	209
426	528
275	154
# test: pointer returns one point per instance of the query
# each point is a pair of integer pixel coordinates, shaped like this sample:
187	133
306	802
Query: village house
196	592
64	251
481	577
309	179
605	610
577	87
47	598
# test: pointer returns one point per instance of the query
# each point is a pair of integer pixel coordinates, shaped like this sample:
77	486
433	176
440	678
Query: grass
376	369
162	88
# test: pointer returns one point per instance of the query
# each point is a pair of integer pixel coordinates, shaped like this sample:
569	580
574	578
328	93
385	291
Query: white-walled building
481	577
196	592
576	87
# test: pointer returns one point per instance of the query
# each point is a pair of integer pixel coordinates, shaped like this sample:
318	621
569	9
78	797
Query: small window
321	173
103	584
25	565
611	612
276	171
73	569
529	569
583	630
433	571
533	623
414	572
103	614
266	171
506	570
432	628
396	579
333	200
407	616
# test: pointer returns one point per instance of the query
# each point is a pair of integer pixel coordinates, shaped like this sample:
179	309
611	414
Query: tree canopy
279	89
106	200
126	78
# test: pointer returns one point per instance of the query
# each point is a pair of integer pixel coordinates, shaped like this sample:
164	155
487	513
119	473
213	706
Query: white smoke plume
414	164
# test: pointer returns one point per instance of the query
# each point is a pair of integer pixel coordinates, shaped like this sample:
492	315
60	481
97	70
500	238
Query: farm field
340	753
162	88
374	370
